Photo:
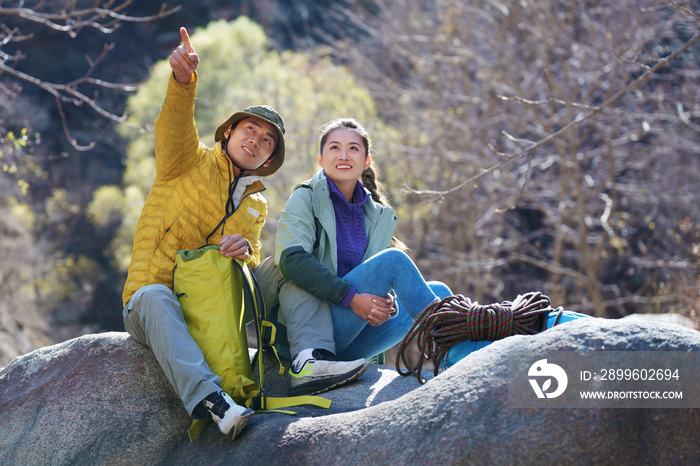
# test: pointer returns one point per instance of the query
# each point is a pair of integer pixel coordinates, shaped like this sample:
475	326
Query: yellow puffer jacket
188	198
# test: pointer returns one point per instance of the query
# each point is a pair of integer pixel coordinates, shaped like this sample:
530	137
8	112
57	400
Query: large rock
116	408
98	399
670	318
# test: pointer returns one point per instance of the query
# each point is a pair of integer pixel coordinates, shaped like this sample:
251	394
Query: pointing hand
184	59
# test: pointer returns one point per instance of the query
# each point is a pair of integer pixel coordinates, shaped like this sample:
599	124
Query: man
200	196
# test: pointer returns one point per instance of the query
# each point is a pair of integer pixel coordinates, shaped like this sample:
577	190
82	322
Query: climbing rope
456	318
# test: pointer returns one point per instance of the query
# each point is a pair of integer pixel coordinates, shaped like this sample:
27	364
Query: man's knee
155	291
154	300
149	293
267	271
269	280
152	310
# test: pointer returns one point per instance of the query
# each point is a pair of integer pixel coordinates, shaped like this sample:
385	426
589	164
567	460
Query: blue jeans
388	270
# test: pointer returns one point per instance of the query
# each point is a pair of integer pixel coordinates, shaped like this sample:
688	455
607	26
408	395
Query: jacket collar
361	195
321	199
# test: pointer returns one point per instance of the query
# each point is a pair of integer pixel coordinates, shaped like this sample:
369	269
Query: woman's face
344	156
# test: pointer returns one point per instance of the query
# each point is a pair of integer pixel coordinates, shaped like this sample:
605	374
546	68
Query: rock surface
669	318
97	399
101	399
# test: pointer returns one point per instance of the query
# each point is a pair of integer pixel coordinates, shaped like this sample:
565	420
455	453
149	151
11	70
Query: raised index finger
186	40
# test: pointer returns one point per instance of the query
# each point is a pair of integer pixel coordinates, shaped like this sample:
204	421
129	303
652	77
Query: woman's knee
395	256
441	290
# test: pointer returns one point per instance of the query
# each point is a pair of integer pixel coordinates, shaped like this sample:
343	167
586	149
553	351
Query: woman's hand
184	59
235	246
374	309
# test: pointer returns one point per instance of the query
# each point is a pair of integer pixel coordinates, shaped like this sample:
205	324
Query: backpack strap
266	333
266	340
196	428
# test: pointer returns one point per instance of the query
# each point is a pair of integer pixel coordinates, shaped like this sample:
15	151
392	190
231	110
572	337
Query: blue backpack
461	350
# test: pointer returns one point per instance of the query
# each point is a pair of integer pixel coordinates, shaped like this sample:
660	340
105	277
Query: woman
339	275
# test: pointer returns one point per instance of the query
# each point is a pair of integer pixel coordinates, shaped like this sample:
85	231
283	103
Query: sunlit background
460	97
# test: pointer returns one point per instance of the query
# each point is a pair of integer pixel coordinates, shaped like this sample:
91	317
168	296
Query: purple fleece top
350	231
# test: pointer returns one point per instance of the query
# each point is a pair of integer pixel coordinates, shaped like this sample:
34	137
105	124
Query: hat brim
278	154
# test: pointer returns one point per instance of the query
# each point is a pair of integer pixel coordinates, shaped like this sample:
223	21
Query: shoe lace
216	404
322	357
316	355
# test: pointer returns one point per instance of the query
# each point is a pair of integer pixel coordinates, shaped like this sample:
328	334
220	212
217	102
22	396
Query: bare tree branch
105	18
578	121
632	61
547	102
553	268
685	118
629	299
683	9
74	20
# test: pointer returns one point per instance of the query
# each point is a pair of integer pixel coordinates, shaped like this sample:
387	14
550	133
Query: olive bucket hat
268	114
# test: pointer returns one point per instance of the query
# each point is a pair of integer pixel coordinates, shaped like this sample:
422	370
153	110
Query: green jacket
306	250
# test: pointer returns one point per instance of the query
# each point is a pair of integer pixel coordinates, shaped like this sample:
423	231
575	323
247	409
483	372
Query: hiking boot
313	372
230	417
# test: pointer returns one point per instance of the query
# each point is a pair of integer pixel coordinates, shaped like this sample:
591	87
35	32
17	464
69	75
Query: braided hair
369	177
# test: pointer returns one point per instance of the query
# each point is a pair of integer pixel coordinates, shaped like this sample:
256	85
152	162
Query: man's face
252	142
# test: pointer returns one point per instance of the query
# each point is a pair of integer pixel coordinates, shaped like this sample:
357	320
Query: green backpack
214	292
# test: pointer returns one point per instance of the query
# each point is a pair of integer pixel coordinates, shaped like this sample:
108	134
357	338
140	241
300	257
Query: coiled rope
455	319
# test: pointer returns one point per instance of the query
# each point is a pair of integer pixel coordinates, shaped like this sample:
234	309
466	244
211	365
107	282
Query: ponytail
369	180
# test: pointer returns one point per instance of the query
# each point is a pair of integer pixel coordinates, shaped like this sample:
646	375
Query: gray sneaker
230	417
313	372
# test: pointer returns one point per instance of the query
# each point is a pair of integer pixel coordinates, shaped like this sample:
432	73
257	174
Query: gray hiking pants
308	318
153	317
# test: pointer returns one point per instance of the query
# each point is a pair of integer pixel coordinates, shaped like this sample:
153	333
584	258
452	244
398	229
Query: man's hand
374	309
184	59
235	246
